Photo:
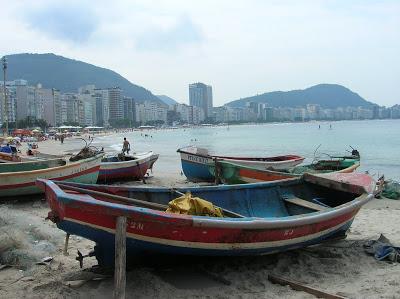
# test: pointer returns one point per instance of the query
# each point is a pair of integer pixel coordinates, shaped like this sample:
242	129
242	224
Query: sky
240	48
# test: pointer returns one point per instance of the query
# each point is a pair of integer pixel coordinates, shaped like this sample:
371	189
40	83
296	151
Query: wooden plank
120	258
304	203
295	285
65	251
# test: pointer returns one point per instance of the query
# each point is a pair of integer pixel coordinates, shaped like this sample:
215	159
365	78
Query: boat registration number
135	225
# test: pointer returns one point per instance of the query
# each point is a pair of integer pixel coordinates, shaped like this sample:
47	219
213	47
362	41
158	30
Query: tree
120	123
155	123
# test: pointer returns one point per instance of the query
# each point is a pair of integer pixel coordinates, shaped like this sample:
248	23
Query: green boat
231	173
18	178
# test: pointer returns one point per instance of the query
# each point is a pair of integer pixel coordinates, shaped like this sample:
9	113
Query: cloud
66	21
160	38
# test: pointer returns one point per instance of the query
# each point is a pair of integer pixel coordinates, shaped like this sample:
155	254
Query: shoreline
340	267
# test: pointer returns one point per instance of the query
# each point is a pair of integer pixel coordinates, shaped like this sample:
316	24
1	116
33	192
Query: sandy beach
341	267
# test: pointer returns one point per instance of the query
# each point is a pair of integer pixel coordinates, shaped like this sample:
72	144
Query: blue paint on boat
196	171
105	250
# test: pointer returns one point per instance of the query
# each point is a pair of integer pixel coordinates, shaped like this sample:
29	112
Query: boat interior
280	199
323	166
118	158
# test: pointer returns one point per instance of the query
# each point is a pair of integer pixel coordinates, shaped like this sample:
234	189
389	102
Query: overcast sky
241	48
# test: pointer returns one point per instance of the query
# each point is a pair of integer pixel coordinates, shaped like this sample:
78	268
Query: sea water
378	142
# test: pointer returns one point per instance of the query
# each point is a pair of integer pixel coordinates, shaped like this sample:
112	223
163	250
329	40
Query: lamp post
5	113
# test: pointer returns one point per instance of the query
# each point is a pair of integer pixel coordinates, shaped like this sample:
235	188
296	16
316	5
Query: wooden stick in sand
120	258
295	285
65	251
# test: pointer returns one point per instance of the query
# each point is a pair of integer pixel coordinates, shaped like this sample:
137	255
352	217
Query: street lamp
5	113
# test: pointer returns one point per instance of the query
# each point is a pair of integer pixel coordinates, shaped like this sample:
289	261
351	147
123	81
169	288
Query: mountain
326	95
67	75
167	100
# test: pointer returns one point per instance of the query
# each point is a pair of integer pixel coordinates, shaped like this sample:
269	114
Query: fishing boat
124	167
18	179
9	153
232	173
195	162
261	218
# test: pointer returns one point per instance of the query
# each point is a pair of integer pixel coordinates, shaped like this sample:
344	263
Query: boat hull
267	227
23	182
195	166
143	242
124	170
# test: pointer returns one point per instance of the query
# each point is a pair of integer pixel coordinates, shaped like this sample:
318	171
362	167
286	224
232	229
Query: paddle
137	202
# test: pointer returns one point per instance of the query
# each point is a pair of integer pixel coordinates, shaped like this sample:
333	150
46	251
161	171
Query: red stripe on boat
28	184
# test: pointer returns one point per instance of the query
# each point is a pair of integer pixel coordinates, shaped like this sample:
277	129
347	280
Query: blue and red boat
273	217
196	161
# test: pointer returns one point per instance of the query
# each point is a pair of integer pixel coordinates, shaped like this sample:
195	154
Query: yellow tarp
186	204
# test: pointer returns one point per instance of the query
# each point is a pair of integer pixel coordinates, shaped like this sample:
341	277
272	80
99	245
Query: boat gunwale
211	222
276	172
294	158
62	167
135	162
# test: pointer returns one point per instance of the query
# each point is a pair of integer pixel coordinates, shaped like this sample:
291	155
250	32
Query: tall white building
200	95
150	111
101	97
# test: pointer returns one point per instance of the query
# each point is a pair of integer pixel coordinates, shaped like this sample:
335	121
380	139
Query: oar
226	212
137	202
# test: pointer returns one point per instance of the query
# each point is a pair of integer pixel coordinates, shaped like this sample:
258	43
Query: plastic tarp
391	189
382	249
188	205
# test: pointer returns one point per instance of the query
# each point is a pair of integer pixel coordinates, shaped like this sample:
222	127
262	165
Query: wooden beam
133	201
65	251
120	258
295	285
304	203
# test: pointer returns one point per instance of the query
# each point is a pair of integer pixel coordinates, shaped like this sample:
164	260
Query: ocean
378	142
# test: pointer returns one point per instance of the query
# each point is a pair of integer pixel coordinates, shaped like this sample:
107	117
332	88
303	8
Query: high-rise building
11	102
116	103
129	109
25	101
52	106
102	107
200	95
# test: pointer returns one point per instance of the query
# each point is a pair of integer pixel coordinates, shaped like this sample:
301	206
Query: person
62	138
126	147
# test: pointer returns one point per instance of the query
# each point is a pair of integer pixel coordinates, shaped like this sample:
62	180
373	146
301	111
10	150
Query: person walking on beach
126	147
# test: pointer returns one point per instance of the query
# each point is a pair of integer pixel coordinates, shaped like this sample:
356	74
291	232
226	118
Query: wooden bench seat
303	203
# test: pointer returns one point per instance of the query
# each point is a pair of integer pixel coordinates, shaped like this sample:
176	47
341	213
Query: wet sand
341	267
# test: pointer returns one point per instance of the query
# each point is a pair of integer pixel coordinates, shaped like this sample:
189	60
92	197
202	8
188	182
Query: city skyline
242	49
107	107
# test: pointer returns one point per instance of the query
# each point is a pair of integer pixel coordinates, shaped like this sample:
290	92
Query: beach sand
340	267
